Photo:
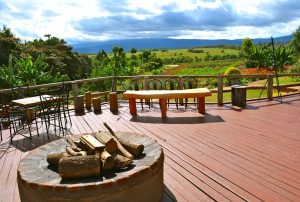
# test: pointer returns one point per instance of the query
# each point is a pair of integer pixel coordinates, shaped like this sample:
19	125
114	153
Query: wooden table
163	95
30	101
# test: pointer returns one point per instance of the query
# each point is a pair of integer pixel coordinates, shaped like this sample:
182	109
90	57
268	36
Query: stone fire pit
143	181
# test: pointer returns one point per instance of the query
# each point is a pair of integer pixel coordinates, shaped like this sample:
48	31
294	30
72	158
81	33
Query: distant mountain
151	43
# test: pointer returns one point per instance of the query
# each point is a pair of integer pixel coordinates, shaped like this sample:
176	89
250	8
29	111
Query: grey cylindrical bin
238	95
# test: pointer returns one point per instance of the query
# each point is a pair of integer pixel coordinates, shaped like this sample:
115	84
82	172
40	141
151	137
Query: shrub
232	71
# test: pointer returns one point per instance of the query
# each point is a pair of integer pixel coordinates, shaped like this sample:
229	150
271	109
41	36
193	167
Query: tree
59	56
295	42
118	60
8	44
247	47
145	55
133	50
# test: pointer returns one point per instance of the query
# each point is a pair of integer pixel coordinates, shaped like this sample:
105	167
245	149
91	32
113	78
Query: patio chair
190	83
172	84
154	84
15	118
137	85
54	109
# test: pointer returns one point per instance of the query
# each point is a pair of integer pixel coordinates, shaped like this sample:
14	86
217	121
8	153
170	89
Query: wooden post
163	107
132	106
181	80
270	87
74	90
113	101
95	94
79	104
97	104
220	90
201	105
88	100
238	96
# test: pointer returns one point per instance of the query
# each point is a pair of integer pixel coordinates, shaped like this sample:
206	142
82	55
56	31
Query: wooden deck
226	155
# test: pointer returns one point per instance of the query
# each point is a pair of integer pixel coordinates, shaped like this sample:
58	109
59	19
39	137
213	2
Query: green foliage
193	50
8	75
100	69
259	56
263	55
35	72
295	42
8	45
133	50
247	47
232	71
25	71
284	56
59	56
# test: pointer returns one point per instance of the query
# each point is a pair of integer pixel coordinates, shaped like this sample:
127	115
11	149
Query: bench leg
201	105
163	107
132	106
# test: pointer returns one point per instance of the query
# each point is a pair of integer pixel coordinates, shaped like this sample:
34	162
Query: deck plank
224	155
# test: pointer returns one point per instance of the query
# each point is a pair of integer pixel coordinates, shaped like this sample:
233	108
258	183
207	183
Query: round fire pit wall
143	181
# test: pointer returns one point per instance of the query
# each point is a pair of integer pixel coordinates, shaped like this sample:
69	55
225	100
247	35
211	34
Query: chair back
136	85
190	83
154	84
171	84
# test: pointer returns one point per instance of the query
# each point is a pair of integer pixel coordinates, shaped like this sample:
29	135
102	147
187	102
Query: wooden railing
220	82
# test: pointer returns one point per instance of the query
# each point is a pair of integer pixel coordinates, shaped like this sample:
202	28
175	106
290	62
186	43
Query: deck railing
269	85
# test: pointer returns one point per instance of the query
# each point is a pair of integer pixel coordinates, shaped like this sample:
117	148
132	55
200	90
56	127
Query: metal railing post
270	86
113	85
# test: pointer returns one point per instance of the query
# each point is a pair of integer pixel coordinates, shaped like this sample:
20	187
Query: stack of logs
89	155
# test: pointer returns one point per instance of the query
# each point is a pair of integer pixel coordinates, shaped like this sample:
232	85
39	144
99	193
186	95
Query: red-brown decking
226	155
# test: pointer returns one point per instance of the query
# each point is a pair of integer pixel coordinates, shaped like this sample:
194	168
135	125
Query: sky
92	20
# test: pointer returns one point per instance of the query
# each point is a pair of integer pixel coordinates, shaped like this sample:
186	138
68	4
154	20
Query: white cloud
102	20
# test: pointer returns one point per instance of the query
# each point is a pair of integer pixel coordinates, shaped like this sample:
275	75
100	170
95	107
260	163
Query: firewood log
109	142
121	161
70	150
121	149
92	143
134	148
73	145
53	159
79	166
107	161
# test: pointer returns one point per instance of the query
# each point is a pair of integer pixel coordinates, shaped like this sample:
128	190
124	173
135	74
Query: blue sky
91	20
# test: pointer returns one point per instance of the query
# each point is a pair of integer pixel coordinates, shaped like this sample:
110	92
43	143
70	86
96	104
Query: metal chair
190	83
16	118
172	84
154	84
54	109
137	85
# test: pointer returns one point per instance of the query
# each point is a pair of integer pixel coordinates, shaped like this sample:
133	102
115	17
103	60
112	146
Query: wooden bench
163	95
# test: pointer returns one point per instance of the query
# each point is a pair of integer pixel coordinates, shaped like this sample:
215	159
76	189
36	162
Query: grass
282	80
184	52
207	68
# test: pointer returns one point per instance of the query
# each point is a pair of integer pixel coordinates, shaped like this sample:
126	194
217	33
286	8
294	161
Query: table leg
201	105
163	107
132	106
